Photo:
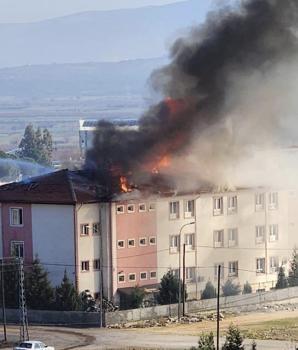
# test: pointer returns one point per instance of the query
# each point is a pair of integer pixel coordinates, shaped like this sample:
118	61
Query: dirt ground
277	325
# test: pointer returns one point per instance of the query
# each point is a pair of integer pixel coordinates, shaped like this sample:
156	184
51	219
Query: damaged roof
59	187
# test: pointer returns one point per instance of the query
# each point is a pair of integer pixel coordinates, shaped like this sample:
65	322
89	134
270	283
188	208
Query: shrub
209	292
169	289
229	288
247	289
234	340
206	342
282	281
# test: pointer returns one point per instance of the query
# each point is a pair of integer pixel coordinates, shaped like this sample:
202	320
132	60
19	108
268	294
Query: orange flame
124	185
163	162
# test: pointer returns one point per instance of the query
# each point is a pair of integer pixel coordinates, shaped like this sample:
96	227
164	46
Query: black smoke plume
254	35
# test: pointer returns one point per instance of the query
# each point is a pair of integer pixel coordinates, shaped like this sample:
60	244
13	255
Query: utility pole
101	298
24	334
3	301
218	292
183	282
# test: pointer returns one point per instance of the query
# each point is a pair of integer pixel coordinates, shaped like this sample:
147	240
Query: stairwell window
174	210
16	216
217	206
85	266
84	229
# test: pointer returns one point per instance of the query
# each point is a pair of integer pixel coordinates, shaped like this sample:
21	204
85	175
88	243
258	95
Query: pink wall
139	258
17	233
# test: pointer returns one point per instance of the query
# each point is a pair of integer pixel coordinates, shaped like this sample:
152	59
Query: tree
39	292
247	289
169	289
282	281
209	292
36	145
66	296
206	342
293	270
137	296
11	283
234	340
229	288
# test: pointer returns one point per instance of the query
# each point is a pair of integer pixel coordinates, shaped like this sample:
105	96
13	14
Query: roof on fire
59	187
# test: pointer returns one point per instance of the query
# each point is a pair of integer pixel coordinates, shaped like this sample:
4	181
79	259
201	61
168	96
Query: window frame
144	209
257	232
259	205
96	224
189	246
153	278
118	241
215	233
141	278
174	248
84	225
119	276
232	231
273	200
259	270
18	243
187	272
189	214
141	244
87	262
20	210
119	212
132	210
222	270
232	209
152	237
130	240
233	270
132	274
174	214
276	233
218	209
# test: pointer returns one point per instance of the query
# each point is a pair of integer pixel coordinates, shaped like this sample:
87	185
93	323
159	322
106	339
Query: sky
20	11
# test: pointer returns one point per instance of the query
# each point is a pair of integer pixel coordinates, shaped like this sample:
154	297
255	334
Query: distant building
88	128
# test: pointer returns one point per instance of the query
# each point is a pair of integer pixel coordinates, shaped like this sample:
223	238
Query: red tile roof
59	187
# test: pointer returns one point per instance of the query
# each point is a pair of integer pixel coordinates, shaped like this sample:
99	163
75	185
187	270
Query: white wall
88	247
53	239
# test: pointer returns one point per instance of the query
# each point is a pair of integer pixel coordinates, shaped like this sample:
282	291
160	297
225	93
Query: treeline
40	294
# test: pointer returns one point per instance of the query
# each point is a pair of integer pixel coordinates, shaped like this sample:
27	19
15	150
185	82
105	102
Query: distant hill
83	79
99	36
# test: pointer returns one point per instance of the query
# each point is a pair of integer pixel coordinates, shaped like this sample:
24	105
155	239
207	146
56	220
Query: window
120	244
273	233
190	274
218	238
16	216
17	249
273	201
130	208
85	266
96	264
131	277
143	275
260	201
189	240
222	271
152	207
232	204
142	241
260	234
120	209
174	210
84	229
96	228
175	272
261	265
273	264
142	207
152	240
121	277
233	268
152	274
233	237
189	209
131	243
174	243
217	205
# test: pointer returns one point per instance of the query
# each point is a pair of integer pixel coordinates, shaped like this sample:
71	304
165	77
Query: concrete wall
53	239
239	303
65	318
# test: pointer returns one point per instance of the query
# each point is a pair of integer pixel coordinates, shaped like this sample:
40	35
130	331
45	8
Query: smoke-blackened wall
229	90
